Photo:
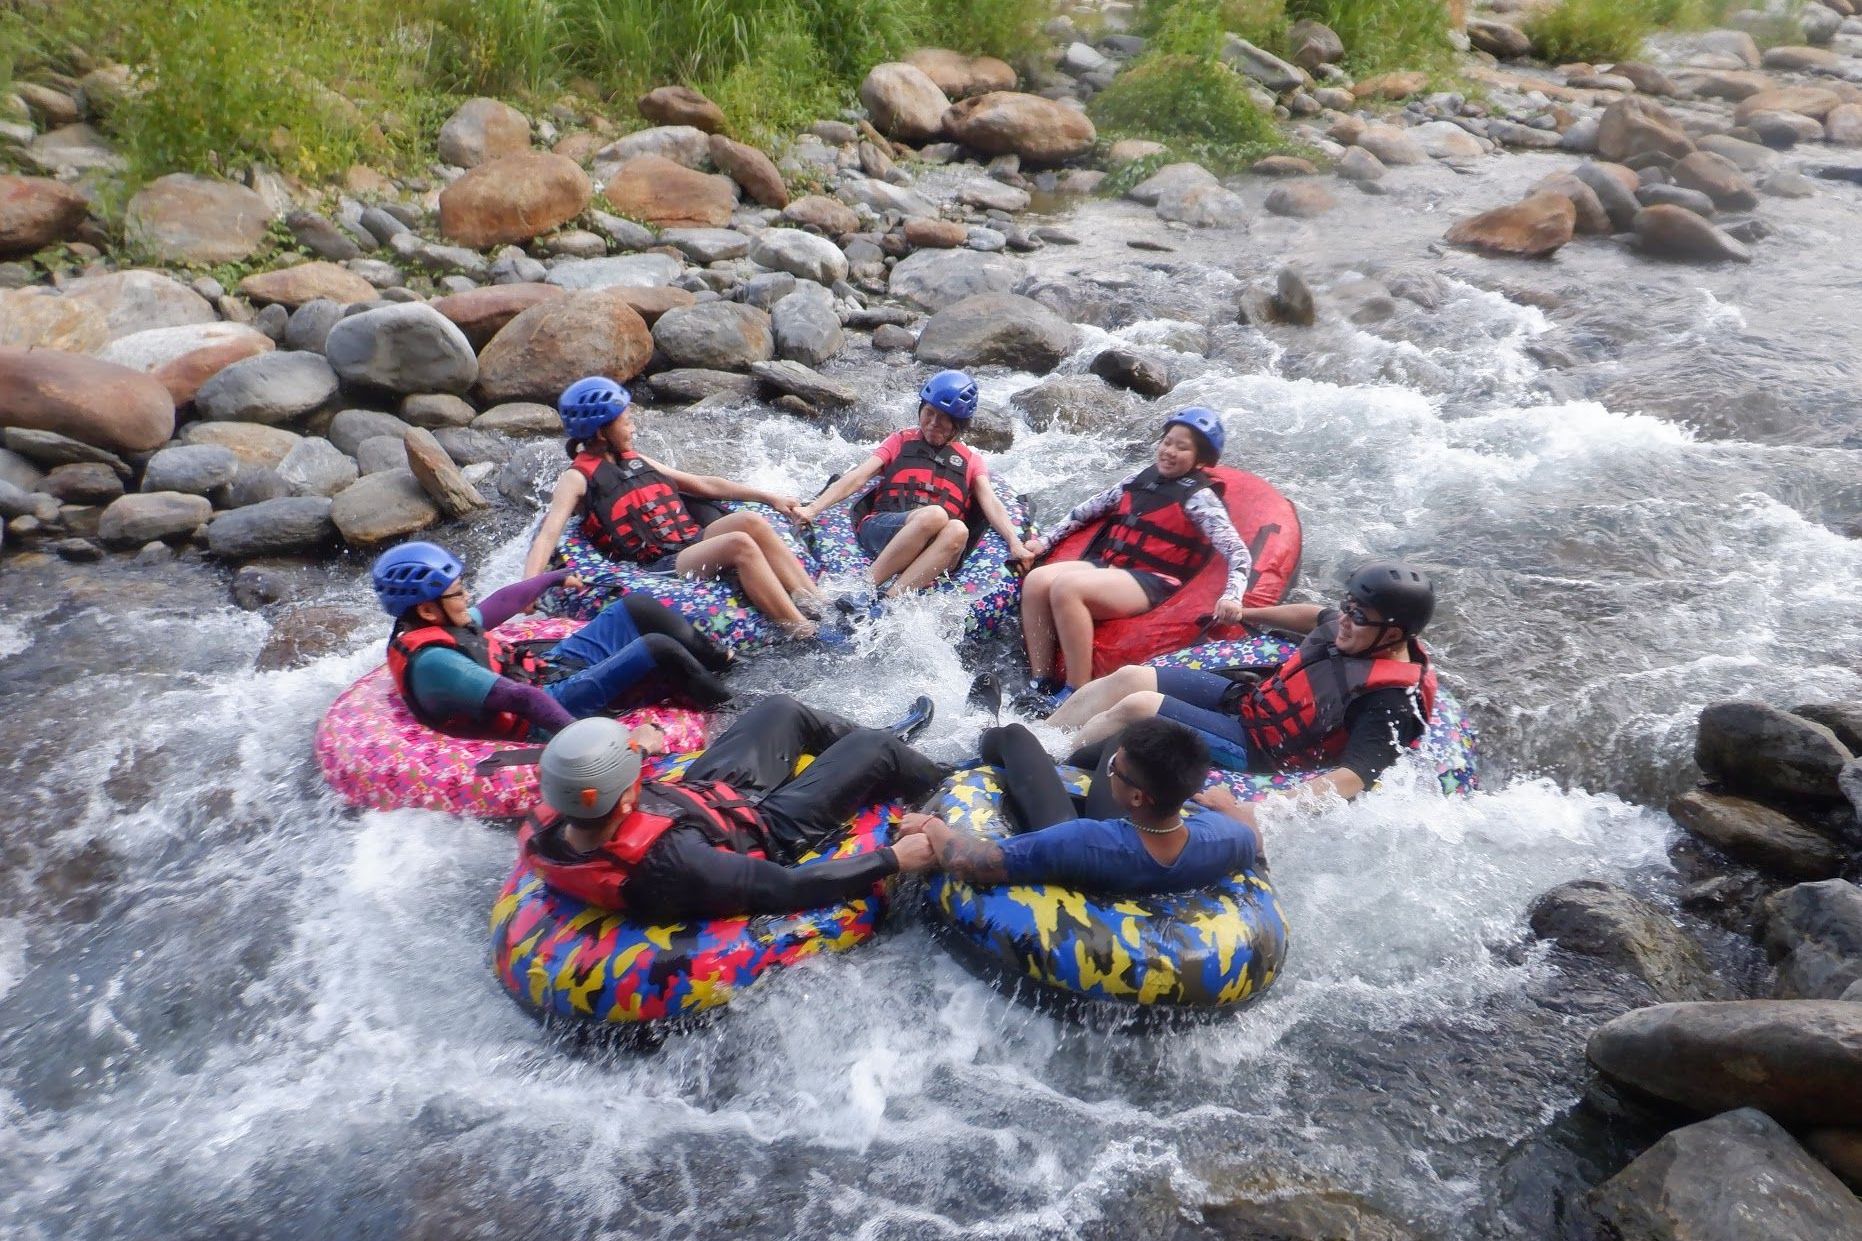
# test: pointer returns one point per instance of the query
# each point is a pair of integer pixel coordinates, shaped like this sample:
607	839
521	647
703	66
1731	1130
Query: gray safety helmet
587	767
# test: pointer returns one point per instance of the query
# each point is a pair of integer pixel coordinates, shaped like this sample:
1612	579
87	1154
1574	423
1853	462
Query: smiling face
453	608
937	427
619	434
1362	629
1176	452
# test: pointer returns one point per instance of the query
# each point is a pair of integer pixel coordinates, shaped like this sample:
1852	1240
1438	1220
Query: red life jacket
631	512
922	475
1151	531
520	661
1297	716
727	821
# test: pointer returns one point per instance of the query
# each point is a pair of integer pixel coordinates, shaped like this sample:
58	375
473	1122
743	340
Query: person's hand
788	505
805	513
574	582
1035	547
1222	800
913	824
651	738
1023	555
913	853
1229	612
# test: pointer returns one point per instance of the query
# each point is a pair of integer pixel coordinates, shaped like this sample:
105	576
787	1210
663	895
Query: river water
231	1008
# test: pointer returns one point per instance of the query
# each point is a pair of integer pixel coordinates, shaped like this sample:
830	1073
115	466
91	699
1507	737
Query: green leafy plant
1590	30
1383	35
1197	106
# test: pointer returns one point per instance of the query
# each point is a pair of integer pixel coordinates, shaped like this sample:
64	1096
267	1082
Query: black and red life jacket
921	476
726	820
1296	717
1151	531
632	512
521	661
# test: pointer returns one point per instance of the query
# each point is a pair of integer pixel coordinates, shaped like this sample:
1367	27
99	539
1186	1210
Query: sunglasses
1120	774
1354	612
454	594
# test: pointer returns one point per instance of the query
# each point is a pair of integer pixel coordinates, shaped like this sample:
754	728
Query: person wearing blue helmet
916	523
633	509
459	678
1162	525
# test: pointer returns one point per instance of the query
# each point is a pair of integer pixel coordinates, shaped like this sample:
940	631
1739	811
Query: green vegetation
1195	105
1383	35
1612	30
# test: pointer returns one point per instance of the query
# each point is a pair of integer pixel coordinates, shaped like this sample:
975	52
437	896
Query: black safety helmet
1402	593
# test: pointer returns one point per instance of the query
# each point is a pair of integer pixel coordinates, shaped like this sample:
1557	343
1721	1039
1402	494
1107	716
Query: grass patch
1195	105
1590	30
1382	35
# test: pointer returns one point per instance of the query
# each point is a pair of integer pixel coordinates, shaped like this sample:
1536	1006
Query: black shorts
1156	586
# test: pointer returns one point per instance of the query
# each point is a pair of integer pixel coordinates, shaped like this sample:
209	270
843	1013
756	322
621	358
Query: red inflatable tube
1268	523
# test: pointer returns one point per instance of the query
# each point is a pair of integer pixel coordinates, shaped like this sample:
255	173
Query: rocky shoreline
387	382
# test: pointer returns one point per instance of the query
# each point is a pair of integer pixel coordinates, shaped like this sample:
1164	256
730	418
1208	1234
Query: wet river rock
552	344
1602	920
1764	752
1752	832
1000	329
1813	932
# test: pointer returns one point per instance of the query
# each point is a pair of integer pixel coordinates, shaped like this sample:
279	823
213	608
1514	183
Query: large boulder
1815	102
933	279
382	506
1039	130
316	467
481	130
719	336
1592	219
36	317
1262	66
1637	126
1391	145
1717	178
1844	719
1813	931
807	328
135	301
286	526
404	348
1614	193
1169	179
1736	1177
754	172
803	255
682	144
192	469
904	102
1498	39
824	214
1799	1060
1761	751
95	402
291	287
554	343
181	359
1531	228
481	313
960	76
680	105
1593	918
36	212
668	195
258	446
791	378
513	198
271	388
1080	403
439	476
1758	835
1314	44
619	271
1673	232
182	218
996	329
140	518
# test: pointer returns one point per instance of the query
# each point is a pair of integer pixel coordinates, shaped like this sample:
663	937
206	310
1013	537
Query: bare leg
1127	710
1038	614
776	553
1103	694
1082	598
935	561
736	552
916	535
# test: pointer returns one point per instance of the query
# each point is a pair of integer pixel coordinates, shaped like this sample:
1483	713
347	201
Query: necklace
1154	831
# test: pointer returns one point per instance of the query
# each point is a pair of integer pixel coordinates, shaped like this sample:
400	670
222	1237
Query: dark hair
1206	454
1169	760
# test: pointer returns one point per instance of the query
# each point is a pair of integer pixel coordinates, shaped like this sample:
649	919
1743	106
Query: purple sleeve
501	605
543	711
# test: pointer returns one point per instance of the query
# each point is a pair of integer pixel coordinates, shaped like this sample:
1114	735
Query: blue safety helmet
413	573
587	405
950	392
1205	422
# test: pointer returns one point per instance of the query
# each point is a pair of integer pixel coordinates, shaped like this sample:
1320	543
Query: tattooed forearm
972	858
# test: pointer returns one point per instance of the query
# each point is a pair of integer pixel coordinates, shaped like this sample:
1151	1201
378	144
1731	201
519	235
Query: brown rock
960	76
680	105
1531	228
1646	78
825	215
1717	178
1840	1150
1677	233
1637	126
181	218
513	198
670	195
650	304
1399	85
579	147
363	180
95	402
1592	219
181	359
1813	101
1302	199
904	102
1009	123
482	313
1731	85
253	444
37	211
932	234
752	170
554	343
1283	166
439	477
481	130
291	287
1757	834
1843	126
39	318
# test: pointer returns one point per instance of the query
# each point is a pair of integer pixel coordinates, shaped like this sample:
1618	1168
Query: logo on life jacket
1297	716
726	820
1151	531
631	512
921	476
521	661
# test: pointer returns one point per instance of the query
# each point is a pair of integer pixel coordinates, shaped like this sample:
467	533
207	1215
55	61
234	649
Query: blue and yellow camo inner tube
1212	949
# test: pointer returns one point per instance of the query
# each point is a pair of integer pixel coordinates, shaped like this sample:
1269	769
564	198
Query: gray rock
321	237
1758	835
1748	156
627	271
934	279
514	418
1819	24
989	194
381	275
891	338
1000	329
1618	203
1168	179
707	245
284	527
50	449
1293	300
1264	67
310	324
765	289
574	243
1764	752
625	233
866	192
379	507
1784	130
439	477
268	388
1593	918
1675	196
316	467
518	269
402	349
801	254
381	452
383	227
1813	932
1080	403
1358	164
720	336
806	325
431	256
1203	206
271	320
1844	719
986	240
18	470
1392	145
794	379
1677	233
434	410
1798	1060
469	447
78	551
18	502
1126	368
192	469
352	427
136	519
254	484
685	385
1736	1177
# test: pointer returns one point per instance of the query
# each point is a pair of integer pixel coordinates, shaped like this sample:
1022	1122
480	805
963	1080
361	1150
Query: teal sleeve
449	682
